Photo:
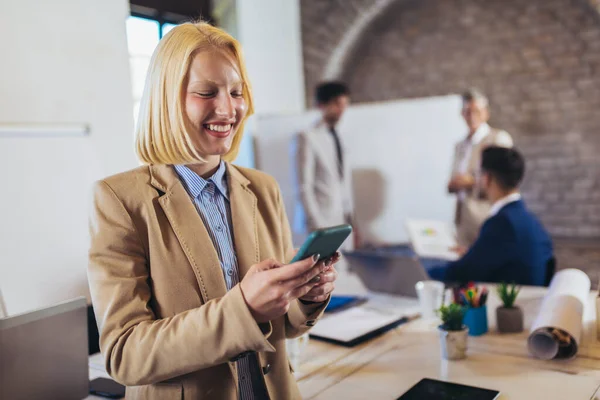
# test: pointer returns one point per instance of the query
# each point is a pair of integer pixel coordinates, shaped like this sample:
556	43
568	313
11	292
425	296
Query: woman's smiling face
214	102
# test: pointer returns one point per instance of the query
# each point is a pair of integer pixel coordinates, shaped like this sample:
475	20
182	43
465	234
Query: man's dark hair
506	165
327	91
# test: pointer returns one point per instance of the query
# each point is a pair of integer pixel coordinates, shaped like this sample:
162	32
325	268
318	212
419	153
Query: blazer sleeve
492	250
306	168
139	348
300	317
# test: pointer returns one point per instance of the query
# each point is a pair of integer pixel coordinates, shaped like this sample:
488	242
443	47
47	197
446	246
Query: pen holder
476	319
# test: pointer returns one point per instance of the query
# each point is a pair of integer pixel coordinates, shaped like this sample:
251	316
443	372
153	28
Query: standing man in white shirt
472	206
324	173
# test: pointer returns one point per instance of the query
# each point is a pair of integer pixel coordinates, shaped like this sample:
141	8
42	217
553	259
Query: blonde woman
186	270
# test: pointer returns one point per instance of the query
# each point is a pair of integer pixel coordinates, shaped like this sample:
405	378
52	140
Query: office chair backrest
550	270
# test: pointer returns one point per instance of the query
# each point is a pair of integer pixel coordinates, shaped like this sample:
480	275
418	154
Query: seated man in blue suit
512	246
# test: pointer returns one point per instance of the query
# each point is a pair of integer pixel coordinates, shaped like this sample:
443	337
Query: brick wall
538	61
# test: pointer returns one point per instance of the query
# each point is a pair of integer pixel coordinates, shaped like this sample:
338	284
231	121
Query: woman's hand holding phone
322	289
270	286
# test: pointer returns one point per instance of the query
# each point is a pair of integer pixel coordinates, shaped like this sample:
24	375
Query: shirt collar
504	201
194	183
480	134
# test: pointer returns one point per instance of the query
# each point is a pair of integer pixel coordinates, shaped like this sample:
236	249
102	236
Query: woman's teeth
219	128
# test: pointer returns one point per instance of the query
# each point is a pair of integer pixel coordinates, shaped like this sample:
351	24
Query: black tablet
432	389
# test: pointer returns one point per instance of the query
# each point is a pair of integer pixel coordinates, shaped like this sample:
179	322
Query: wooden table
387	366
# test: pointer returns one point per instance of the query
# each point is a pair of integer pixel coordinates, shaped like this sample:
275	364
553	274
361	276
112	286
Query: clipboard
356	325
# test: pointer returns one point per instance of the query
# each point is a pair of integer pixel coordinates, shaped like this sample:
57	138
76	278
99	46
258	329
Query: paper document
556	331
356	322
432	239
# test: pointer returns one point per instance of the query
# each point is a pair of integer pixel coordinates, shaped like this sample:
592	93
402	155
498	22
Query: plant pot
509	320
476	320
454	343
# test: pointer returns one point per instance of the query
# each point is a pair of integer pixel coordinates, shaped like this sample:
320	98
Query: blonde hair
162	133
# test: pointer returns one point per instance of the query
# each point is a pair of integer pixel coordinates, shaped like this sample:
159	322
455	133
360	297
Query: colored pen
483	298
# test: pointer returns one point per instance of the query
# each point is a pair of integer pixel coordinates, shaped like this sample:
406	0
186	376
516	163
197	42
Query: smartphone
105	387
325	241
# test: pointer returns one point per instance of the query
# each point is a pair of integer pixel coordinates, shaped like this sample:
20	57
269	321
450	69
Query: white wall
269	31
63	61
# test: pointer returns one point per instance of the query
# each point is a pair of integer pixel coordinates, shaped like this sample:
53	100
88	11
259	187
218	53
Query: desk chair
550	270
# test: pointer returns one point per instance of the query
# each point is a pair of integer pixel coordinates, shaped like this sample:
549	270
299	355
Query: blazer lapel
190	231
243	205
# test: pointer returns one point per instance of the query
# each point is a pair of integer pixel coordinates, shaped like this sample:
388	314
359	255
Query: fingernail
316	257
316	279
328	263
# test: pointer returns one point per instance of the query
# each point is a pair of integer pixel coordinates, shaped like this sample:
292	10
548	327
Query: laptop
44	353
393	270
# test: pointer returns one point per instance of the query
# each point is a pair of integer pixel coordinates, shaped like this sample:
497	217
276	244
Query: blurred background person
513	246
324	173
472	207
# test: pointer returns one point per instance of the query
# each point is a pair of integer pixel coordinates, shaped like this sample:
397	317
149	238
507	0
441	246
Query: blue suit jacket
512	246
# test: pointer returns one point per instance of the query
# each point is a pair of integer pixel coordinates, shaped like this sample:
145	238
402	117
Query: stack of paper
432	239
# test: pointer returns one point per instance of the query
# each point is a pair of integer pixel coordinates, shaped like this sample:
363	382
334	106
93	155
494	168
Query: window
143	35
167	27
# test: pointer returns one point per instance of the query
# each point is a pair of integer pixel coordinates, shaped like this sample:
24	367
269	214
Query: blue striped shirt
211	198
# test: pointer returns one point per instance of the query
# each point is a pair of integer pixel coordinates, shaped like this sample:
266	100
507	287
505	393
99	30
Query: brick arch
344	50
325	27
356	33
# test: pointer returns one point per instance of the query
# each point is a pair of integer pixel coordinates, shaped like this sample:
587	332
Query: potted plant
453	333
509	317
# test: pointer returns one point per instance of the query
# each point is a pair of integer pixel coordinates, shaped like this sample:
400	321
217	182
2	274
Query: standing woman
186	265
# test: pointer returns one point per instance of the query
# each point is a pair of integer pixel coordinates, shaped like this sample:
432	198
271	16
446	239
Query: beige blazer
169	329
326	197
474	209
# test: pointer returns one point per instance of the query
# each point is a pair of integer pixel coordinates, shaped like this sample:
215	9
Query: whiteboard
400	153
